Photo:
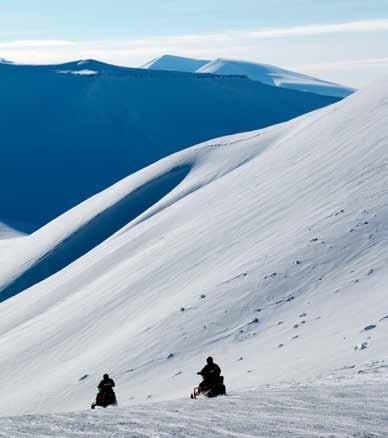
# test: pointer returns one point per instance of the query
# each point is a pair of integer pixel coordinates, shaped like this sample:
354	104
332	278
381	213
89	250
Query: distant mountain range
266	74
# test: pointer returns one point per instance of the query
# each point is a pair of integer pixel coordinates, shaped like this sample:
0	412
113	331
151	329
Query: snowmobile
105	399
210	390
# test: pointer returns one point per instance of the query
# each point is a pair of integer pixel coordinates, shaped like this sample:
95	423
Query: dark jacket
106	385
211	372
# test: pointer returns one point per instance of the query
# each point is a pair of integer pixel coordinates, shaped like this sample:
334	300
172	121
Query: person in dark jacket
106	396
106	384
210	373
212	384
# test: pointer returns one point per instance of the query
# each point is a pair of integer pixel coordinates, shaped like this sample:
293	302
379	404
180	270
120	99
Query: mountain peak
5	61
173	62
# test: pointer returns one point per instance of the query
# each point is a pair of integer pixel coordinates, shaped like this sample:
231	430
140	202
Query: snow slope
265	249
337	409
69	131
170	62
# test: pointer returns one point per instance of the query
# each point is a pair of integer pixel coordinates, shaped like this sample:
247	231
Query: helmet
209	360
106	376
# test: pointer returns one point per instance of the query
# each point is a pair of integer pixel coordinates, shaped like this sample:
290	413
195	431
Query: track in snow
356	409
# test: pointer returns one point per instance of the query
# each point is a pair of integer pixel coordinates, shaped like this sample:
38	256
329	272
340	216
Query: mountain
276	77
169	62
265	249
71	130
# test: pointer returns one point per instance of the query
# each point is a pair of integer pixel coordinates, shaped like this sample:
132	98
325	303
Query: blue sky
344	40
84	19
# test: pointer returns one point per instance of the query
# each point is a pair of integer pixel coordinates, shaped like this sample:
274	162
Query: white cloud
266	33
356	73
347	64
21	44
319	29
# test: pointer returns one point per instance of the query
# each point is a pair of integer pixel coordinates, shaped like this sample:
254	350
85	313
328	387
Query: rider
107	395
211	374
107	384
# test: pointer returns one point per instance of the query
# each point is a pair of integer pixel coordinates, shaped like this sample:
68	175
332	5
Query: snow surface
266	249
65	137
337	409
79	72
179	63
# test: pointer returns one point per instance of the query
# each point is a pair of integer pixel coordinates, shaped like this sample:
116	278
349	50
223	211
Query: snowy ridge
264	73
84	132
276	76
268	252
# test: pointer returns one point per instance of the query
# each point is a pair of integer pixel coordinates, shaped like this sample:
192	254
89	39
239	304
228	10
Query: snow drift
69	131
268	252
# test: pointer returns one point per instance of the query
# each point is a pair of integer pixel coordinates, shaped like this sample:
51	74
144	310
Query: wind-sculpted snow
331	409
71	130
94	231
269	255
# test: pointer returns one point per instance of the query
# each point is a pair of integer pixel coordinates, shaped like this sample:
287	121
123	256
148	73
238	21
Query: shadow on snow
96	231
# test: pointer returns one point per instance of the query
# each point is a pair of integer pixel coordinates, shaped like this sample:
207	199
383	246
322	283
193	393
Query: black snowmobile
105	396
212	384
211	391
